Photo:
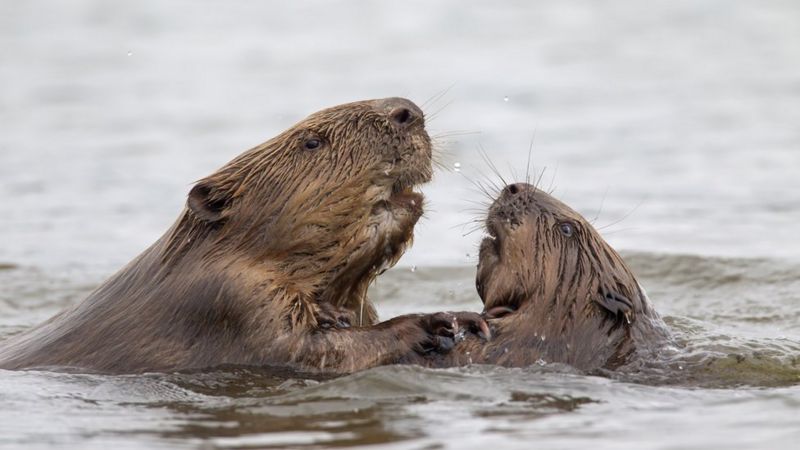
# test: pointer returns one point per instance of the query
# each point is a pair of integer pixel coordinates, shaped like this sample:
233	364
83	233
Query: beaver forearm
403	339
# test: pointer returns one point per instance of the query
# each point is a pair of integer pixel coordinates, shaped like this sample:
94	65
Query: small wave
419	384
751	297
736	320
708	272
706	357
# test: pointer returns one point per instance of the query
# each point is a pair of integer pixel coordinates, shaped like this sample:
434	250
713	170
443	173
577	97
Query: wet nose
402	112
514	189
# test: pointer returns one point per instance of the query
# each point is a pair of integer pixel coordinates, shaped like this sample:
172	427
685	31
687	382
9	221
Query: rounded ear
617	305
207	203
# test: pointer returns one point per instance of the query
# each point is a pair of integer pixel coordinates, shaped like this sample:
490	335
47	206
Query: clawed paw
330	317
470	322
445	329
440	330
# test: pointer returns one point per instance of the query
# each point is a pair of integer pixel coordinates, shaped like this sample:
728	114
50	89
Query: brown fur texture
554	291
284	233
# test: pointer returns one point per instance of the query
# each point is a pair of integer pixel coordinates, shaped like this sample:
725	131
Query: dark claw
443	324
485	333
474	323
498	312
441	329
445	332
330	317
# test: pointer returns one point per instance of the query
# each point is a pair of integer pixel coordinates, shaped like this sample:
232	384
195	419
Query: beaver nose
402	112
514	189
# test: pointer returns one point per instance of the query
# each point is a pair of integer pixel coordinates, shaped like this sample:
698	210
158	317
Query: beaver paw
330	317
474	323
439	331
445	329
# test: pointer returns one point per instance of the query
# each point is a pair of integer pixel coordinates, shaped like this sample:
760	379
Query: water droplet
130	53
413	268
680	367
541	362
543	338
386	172
505	99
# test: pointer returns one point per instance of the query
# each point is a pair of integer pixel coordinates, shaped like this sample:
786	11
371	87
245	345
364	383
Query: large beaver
270	261
554	291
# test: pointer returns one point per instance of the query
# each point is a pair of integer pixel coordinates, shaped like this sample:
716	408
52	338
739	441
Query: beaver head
320	209
554	291
541	255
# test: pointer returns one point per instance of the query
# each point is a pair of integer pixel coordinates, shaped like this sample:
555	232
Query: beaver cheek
422	155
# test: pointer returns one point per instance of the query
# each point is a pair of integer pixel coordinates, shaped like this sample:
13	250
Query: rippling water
675	123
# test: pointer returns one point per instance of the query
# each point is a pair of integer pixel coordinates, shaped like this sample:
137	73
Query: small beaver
270	261
554	291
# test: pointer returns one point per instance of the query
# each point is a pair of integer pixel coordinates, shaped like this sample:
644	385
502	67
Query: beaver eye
312	144
566	229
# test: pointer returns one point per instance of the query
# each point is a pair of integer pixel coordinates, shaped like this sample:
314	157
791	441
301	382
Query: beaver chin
492	271
498	303
392	224
407	173
379	242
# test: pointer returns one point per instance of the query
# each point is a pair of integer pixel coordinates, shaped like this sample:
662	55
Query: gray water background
675	123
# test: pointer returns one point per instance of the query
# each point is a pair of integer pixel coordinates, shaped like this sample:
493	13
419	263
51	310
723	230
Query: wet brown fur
265	242
558	287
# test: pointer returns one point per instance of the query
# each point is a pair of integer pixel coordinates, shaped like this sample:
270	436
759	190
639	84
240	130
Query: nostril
401	116
400	112
512	189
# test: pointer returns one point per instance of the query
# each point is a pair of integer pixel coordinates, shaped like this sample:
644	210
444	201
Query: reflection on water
675	123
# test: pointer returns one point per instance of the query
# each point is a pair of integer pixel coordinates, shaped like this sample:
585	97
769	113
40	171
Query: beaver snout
512	205
401	112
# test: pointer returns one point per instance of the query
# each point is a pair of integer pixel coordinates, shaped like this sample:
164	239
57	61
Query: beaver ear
616	304
207	202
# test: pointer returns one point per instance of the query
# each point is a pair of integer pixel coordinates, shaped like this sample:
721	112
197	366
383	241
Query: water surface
672	124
